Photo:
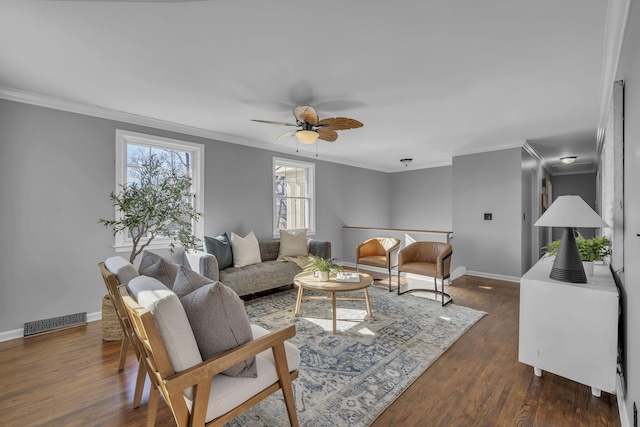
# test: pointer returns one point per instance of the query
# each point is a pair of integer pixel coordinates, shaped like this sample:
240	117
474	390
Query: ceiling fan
310	127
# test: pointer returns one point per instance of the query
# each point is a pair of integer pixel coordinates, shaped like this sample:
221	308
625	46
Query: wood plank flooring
70	378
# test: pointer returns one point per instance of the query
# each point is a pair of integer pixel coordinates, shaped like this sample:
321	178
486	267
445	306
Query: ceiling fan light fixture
568	160
307	136
406	161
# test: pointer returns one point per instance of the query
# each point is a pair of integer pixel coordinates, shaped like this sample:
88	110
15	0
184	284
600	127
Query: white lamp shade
307	136
570	211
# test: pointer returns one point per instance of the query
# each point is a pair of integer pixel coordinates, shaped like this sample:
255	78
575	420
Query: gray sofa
266	275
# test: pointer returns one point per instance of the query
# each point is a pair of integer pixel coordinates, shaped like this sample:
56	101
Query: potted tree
591	250
324	267
156	202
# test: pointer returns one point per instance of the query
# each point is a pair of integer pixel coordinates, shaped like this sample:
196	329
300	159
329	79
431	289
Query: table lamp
569	212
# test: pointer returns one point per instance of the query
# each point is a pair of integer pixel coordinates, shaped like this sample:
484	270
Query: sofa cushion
160	268
259	277
231	392
220	247
121	268
220	322
245	250
188	281
293	244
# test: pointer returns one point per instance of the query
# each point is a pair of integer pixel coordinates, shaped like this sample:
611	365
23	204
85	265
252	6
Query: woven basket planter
111	330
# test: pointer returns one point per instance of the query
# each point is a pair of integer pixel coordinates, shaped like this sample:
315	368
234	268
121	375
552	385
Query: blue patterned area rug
350	378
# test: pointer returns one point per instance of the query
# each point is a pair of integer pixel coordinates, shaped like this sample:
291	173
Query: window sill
309	233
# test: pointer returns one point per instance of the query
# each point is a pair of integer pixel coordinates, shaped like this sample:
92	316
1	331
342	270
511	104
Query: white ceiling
429	79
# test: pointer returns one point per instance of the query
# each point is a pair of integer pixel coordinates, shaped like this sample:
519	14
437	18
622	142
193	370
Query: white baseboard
11	335
19	333
458	272
493	276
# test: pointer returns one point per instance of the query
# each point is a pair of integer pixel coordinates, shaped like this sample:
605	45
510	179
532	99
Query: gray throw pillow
219	322
160	268
220	247
188	281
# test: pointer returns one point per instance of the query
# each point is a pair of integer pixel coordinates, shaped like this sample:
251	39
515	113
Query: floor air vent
46	325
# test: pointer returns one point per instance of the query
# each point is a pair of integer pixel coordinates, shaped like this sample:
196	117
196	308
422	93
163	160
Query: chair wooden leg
140	378
390	279
124	347
282	368
152	407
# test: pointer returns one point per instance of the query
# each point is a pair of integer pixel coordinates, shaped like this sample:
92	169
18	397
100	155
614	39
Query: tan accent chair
431	259
199	394
379	252
112	284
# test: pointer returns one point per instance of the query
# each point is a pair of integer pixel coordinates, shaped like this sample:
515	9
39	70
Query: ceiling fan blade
340	123
327	134
273	123
304	113
288	134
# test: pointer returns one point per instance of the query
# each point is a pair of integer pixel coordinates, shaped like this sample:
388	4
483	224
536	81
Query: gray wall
583	185
422	199
488	183
57	170
629	275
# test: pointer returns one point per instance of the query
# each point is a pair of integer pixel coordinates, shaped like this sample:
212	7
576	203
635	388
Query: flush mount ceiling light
568	160
406	161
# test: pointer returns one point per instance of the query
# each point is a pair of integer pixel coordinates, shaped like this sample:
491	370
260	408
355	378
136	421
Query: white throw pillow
245	250
293	244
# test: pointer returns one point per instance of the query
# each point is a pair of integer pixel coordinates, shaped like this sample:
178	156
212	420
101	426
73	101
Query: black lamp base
567	266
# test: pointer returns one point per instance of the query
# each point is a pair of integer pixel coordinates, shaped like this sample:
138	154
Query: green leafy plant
594	249
322	264
158	202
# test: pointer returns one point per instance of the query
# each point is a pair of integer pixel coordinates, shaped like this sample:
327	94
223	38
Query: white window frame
311	173
125	137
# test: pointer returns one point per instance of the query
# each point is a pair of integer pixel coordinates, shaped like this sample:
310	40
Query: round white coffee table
308	281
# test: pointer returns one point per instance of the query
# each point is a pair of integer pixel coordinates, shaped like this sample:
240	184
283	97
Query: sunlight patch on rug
350	378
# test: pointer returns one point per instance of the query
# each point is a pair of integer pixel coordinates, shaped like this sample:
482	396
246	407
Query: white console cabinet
570	329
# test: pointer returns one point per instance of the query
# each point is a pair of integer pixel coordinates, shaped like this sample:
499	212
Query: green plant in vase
324	267
594	249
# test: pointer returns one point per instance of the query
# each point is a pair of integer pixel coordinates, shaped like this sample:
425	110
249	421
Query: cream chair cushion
121	268
171	320
229	392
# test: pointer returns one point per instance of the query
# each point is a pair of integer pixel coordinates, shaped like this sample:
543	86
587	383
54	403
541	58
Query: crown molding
615	26
533	153
485	150
120	116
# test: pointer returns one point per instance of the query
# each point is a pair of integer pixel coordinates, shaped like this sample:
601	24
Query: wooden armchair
379	252
112	284
198	394
431	259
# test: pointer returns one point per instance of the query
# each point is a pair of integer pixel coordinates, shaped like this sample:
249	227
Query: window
293	196
132	149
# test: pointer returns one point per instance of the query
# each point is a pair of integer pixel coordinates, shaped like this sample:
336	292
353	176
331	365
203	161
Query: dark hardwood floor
70	378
